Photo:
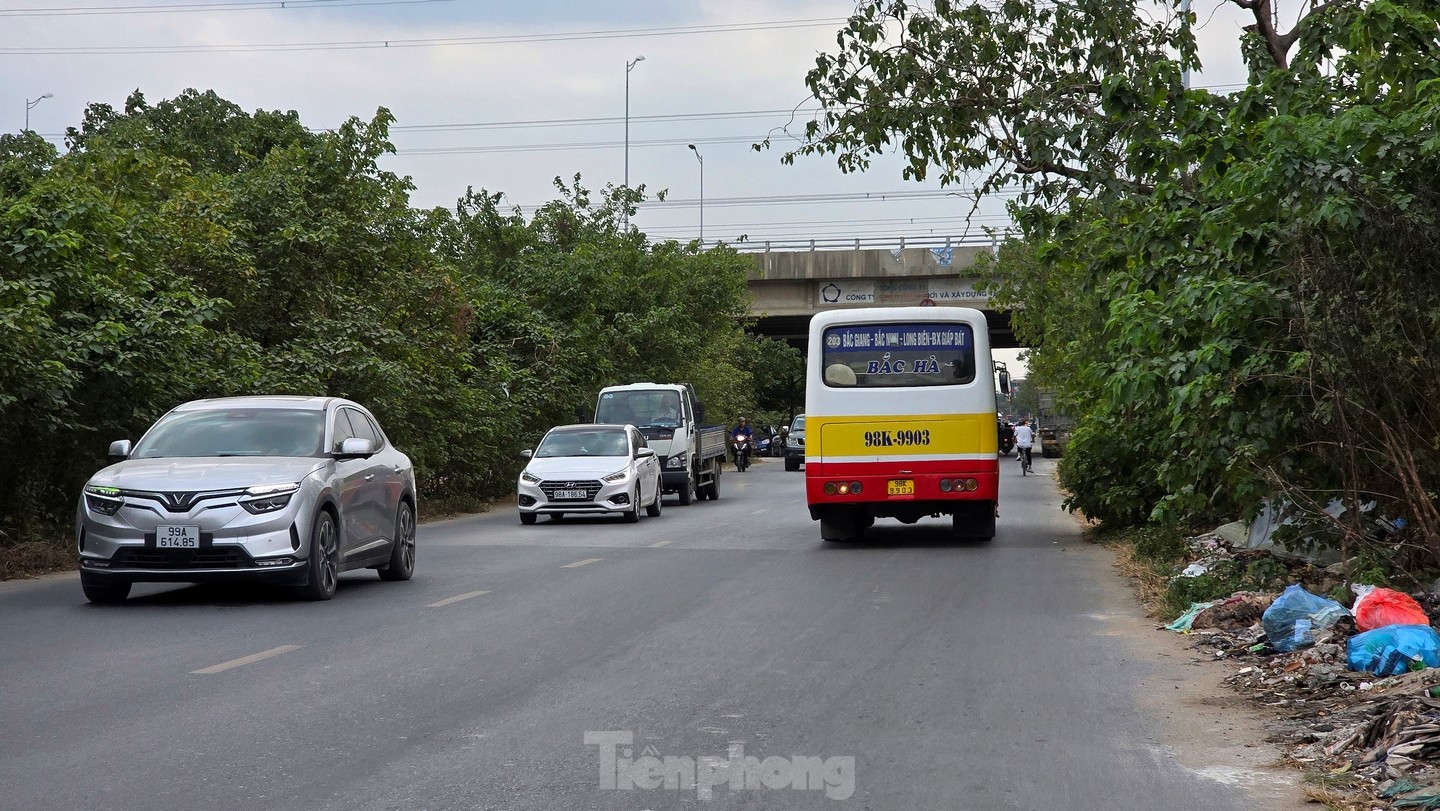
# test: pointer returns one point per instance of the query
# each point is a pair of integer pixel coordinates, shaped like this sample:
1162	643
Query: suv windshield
798	424
234	432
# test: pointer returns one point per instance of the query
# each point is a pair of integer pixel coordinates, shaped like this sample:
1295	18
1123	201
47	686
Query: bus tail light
959	485
842	488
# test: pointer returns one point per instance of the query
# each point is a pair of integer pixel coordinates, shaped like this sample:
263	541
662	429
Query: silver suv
289	490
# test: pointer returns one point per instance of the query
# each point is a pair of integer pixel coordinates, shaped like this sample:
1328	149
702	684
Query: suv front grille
220	557
591	488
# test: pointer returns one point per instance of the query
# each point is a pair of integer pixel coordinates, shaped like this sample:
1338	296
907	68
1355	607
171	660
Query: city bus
900	420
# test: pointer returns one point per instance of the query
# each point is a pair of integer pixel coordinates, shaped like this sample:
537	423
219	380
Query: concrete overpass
790	286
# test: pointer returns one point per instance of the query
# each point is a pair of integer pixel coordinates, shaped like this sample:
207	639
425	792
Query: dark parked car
795	444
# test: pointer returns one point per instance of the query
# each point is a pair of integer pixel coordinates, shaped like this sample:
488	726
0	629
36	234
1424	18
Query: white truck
670	417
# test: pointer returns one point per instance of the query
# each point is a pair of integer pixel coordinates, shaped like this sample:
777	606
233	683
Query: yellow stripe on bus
909	435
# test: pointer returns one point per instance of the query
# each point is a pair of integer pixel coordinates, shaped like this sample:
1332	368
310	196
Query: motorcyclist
1006	436
742	449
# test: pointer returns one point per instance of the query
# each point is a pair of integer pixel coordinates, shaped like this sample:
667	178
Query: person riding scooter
1006	433
741	438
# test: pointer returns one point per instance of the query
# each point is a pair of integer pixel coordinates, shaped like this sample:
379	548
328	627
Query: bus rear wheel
840	524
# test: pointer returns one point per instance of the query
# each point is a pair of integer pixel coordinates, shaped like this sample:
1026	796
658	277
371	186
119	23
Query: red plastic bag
1383	607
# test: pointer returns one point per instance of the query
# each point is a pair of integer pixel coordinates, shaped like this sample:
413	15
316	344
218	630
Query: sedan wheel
323	575
527	518
402	555
653	510
632	515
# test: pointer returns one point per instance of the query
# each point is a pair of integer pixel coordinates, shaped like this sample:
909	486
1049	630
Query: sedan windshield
234	432
584	443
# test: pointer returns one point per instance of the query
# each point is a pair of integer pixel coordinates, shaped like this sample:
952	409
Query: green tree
1213	282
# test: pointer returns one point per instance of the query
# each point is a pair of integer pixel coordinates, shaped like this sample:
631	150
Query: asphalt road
752	664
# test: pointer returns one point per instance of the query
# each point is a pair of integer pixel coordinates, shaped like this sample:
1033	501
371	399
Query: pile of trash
1357	688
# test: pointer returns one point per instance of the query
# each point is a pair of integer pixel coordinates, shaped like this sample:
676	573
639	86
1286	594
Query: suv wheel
104	590
402	556
323	575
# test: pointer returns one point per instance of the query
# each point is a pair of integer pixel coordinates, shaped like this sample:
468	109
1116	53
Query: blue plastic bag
1393	649
1292	620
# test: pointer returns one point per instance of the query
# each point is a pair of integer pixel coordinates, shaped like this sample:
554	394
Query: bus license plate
177	536
901	487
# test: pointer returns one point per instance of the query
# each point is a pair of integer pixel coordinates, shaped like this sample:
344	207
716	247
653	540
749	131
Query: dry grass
34	558
1149	578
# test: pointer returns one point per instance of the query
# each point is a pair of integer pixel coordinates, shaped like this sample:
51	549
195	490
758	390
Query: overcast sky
720	74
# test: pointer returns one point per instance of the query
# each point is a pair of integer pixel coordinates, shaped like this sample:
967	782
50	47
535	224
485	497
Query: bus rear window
885	355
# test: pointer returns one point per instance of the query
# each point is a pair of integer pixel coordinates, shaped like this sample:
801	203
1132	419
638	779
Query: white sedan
590	470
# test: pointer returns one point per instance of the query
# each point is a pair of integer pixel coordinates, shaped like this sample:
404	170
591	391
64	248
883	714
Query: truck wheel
792	464
714	480
687	492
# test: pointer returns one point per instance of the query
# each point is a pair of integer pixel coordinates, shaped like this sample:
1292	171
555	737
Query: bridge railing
865	243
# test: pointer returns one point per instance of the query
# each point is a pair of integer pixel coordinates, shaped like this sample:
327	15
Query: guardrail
867	243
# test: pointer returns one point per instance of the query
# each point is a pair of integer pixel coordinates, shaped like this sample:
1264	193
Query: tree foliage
188	249
1234	292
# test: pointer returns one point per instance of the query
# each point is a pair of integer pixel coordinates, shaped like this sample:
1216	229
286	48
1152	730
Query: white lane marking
244	660
457	598
761	510
659	544
577	564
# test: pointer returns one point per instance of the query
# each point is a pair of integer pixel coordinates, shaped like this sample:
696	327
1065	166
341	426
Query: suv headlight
527	478
103	500
676	462
620	476
267	498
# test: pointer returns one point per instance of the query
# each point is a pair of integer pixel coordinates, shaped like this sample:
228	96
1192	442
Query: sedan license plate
177	536
571	494
901	487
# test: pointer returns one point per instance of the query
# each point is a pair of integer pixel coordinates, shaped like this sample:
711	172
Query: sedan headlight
267	498
676	462
527	478
616	478
103	500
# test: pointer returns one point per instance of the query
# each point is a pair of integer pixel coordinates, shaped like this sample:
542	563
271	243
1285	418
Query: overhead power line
355	45
479	150
184	8
585	122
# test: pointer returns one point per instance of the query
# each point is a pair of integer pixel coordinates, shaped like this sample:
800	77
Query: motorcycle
742	453
1006	445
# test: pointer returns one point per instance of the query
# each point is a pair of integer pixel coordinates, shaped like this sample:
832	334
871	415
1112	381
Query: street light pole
29	104
629	66
701	158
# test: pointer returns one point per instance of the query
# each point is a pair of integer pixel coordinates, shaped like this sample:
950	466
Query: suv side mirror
355	448
119	450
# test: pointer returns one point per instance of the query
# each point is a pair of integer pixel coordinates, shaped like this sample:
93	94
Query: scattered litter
1295	617
1379	607
1394	649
